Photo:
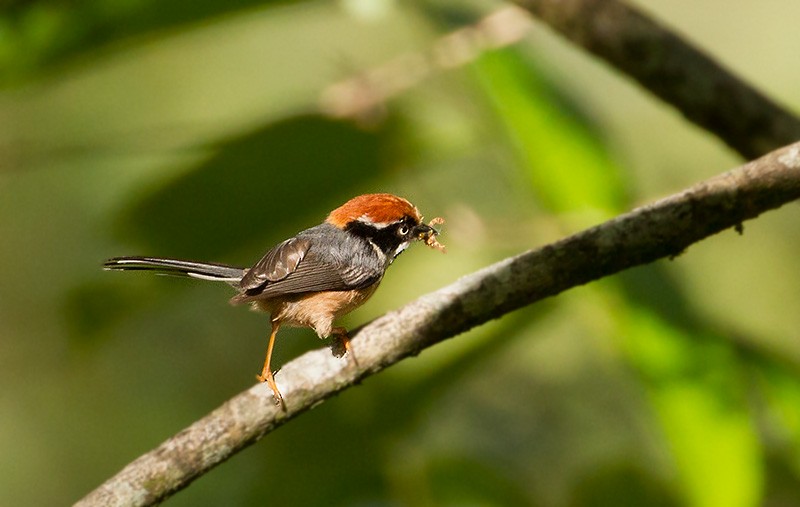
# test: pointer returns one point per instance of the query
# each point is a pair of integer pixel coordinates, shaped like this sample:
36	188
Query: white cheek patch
400	248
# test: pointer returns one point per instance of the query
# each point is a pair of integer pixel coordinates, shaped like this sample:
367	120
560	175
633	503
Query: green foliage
656	387
693	385
560	152
39	34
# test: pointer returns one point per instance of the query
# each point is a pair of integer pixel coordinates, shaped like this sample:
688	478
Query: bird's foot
341	345
269	378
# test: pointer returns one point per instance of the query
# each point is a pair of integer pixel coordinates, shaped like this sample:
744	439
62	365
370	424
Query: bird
316	276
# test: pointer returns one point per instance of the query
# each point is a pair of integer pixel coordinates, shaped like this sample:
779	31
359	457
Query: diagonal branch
662	229
674	70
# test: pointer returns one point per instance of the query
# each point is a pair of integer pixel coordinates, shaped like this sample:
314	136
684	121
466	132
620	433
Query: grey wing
294	267
276	264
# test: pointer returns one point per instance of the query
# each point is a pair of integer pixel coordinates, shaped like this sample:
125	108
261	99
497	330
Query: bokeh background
194	129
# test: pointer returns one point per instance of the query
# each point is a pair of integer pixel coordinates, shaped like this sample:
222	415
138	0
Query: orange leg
344	339
266	372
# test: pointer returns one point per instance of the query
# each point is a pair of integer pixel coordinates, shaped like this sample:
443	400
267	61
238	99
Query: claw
342	340
266	373
276	394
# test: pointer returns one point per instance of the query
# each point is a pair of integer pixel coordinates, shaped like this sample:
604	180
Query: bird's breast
316	310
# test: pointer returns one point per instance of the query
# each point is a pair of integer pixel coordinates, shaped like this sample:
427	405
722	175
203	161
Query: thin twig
365	94
663	229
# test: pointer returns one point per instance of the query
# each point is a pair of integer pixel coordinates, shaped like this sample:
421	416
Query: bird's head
389	222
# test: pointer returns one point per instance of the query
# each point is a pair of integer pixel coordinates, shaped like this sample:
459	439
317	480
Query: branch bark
663	229
674	70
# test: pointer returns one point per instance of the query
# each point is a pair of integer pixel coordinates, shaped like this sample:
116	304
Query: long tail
203	270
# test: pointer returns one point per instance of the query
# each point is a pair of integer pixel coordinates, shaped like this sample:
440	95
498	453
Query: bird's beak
423	232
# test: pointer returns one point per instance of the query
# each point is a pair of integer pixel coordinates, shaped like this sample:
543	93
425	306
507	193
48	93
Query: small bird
318	275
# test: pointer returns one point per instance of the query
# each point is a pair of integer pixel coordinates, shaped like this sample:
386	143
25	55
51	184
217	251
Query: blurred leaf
38	34
693	376
692	381
694	386
93	308
782	482
274	181
694	390
782	393
714	444
568	166
620	485
654	287
460	480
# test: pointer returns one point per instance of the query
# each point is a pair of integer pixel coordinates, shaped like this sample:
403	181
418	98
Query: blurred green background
192	129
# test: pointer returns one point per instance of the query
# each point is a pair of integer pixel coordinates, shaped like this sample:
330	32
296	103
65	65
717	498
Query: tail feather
202	270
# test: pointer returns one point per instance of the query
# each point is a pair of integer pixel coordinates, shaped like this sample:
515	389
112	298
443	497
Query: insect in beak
427	234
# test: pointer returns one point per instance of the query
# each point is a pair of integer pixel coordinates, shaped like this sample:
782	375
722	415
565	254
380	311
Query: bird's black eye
403	230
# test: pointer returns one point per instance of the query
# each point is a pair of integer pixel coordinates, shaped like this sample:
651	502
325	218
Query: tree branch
663	229
680	74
